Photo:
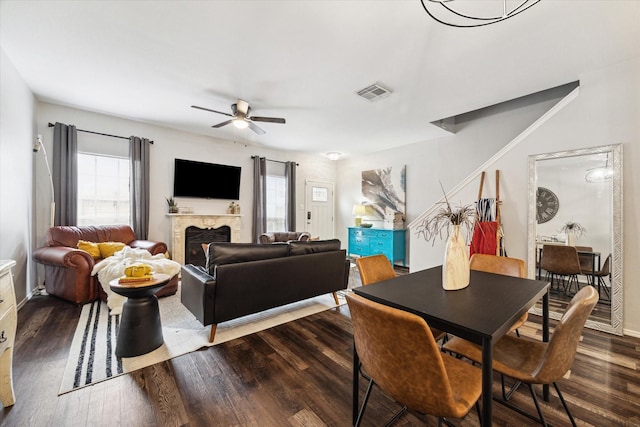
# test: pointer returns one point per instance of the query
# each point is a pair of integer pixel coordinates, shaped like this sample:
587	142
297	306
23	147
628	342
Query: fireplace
196	236
181	221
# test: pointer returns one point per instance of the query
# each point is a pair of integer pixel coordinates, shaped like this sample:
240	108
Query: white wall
449	159
170	144
17	135
606	111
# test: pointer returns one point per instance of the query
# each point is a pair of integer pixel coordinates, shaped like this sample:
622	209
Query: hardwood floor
296	374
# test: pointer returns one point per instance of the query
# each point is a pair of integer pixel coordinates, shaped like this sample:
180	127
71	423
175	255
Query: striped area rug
92	354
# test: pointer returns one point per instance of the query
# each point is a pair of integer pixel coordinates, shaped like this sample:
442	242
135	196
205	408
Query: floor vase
455	269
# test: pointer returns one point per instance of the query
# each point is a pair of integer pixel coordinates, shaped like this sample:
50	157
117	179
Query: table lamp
359	211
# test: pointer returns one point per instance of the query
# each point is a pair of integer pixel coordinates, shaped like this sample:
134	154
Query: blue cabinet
372	241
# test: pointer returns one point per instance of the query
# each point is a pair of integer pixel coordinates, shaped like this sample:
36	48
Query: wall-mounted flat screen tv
206	180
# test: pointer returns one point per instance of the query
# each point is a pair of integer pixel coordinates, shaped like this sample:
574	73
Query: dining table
481	313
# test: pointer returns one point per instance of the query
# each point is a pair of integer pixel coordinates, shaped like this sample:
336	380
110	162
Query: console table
8	323
372	241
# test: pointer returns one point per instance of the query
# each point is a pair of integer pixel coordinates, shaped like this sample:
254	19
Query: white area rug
92	355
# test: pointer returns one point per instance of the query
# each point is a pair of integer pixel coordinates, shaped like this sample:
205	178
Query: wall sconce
334	155
359	211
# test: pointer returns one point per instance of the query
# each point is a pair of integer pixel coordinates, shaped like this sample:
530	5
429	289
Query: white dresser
8	323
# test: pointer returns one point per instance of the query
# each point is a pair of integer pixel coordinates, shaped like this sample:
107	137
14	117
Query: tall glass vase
455	270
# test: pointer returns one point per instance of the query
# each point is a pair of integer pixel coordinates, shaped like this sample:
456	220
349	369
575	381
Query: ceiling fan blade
268	119
256	129
219	125
243	107
213	111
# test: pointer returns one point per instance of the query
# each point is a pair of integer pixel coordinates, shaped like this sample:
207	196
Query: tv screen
206	180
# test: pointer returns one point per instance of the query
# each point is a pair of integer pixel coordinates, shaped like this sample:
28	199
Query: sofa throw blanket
113	268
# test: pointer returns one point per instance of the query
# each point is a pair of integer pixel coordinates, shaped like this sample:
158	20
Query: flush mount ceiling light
455	17
600	174
334	155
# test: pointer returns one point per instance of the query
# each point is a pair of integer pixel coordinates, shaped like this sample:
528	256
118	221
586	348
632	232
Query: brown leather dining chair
534	362
501	265
600	275
376	268
562	263
409	367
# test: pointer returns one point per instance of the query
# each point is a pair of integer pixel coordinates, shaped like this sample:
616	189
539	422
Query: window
103	189
276	197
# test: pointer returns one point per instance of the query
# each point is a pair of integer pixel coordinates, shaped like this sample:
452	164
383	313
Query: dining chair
376	268
505	266
600	274
534	362
585	260
399	352
561	262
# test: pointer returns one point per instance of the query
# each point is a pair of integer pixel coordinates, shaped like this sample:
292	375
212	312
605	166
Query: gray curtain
259	197
139	185
290	175
65	174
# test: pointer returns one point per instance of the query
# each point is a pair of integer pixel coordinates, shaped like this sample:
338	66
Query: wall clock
547	205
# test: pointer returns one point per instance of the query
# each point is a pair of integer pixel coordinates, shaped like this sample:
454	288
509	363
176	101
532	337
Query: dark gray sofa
246	278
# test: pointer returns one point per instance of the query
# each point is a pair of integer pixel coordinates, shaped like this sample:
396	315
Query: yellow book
144	278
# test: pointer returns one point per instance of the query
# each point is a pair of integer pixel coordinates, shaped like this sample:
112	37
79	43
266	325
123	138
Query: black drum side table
140	328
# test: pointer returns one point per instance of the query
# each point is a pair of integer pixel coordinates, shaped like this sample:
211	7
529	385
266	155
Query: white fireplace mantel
180	222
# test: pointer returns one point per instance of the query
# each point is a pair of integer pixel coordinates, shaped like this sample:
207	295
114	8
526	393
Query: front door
319	209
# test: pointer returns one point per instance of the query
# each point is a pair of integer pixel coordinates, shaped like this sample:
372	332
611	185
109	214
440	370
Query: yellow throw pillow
90	247
109	248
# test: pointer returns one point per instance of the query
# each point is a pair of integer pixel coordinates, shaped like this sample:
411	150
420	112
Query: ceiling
150	61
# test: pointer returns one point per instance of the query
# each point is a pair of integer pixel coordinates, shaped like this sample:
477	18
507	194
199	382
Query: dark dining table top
485	309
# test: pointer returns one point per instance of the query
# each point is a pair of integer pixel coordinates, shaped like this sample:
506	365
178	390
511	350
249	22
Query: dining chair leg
364	403
564	404
535	401
506	395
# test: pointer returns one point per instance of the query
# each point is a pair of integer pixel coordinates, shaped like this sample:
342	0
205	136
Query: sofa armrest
198	293
63	256
153	247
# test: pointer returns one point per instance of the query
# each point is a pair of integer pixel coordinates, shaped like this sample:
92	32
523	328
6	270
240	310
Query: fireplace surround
180	222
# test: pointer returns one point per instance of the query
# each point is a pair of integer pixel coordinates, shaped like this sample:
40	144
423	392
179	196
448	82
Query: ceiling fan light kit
240	123
241	117
440	11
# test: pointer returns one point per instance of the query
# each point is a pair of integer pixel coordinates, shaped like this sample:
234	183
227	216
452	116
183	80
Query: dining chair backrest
374	268
498	264
407	366
562	347
606	267
560	259
586	261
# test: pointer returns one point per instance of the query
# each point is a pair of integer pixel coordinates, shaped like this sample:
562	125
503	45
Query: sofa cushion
109	248
231	253
91	247
313	246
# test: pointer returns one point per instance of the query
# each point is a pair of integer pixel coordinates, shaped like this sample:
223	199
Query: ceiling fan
241	118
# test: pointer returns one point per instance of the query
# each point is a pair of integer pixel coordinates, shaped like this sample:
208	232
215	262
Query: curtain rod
277	161
98	133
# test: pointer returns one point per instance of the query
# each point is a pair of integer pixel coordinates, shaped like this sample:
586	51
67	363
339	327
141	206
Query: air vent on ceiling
374	93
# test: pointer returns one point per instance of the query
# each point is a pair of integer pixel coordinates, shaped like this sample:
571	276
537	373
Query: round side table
140	328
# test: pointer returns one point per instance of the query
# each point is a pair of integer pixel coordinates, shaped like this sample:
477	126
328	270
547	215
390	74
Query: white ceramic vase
455	270
571	238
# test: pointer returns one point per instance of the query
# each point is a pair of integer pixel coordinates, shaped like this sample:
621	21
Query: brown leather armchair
284	236
67	269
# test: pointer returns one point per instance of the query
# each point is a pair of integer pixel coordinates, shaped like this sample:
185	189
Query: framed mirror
575	199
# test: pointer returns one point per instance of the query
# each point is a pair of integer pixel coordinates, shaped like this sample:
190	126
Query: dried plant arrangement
436	224
574	227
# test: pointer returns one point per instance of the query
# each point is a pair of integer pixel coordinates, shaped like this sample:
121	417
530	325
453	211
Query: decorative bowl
366	225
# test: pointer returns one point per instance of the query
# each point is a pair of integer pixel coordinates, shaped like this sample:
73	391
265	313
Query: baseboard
630	333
